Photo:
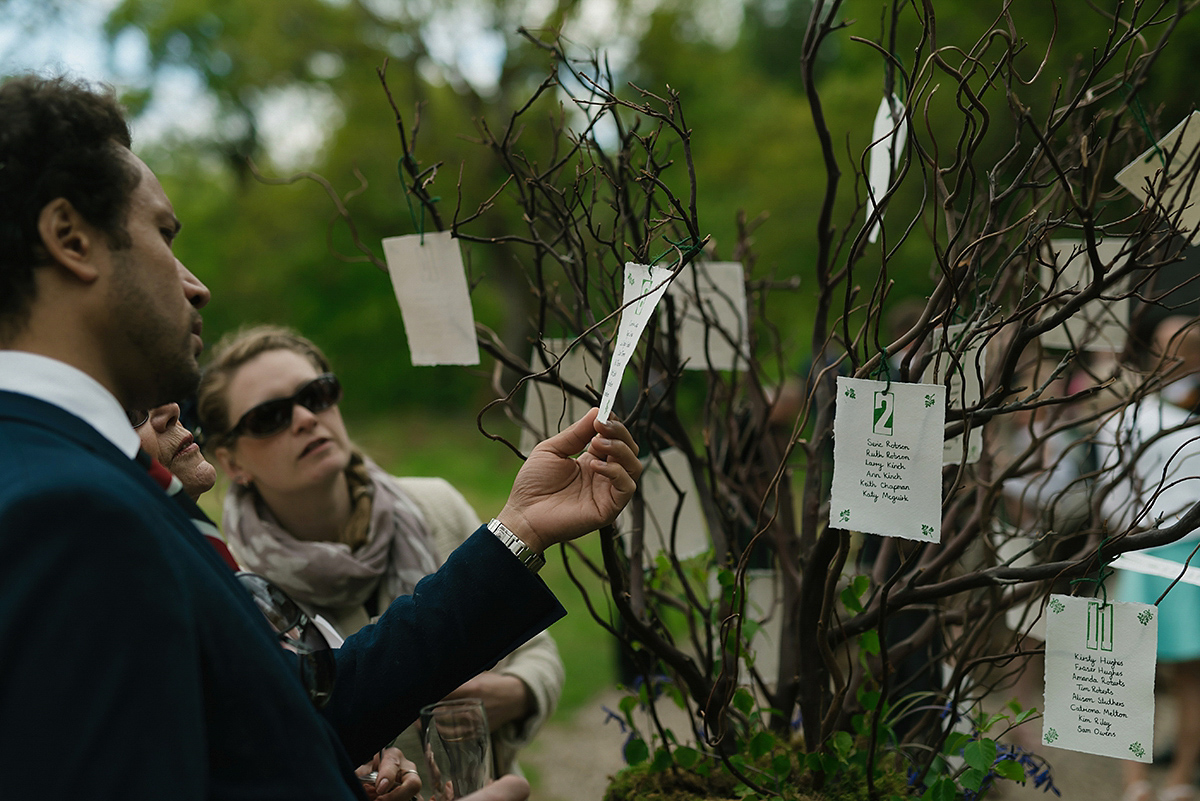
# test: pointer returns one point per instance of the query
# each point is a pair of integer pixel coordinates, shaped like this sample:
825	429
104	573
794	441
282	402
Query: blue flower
610	715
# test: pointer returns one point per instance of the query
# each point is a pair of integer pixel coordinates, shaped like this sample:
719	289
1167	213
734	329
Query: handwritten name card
673	520
1100	677
1102	324
710	306
644	288
1164	176
962	373
549	408
888	136
764	606
887	458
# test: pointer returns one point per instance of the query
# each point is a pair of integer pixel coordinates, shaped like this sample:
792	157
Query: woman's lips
312	446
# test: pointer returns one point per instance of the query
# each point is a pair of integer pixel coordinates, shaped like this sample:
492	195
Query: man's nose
195	290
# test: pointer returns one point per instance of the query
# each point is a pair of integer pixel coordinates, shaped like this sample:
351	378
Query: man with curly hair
133	663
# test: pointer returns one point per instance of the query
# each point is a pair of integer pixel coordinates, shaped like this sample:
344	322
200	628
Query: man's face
154	303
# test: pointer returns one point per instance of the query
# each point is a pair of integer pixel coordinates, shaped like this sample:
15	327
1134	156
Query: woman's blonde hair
230	353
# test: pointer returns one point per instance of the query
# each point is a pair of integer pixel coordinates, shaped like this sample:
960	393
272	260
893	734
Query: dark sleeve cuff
475	610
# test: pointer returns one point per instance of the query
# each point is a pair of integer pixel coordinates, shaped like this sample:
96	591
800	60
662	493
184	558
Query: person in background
165	438
312	513
1159	438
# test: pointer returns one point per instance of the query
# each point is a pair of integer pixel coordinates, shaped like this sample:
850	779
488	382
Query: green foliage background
265	251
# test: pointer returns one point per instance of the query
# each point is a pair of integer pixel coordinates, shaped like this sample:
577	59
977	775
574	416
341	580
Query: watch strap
528	557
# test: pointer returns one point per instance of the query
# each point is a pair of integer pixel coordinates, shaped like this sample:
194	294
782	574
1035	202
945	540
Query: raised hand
559	495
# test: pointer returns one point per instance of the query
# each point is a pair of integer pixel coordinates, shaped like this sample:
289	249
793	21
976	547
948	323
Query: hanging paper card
548	408
1102	324
431	287
889	136
887	458
1164	177
764	605
764	608
644	288
964	370
1100	677
672	509
710	308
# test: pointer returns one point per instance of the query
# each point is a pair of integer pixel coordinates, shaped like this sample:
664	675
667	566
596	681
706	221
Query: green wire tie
420	226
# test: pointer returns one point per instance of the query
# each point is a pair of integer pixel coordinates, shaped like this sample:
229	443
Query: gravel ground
573	761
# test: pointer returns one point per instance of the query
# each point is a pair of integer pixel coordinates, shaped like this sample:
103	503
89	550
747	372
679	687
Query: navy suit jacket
134	666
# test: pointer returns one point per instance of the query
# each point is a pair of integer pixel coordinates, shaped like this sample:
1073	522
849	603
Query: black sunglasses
138	417
271	417
296	632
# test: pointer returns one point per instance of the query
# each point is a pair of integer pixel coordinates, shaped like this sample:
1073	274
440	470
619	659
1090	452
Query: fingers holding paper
573	483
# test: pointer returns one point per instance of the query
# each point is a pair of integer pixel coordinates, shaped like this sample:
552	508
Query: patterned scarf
384	550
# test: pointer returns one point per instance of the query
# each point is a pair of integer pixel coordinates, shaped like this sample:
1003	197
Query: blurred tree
306	70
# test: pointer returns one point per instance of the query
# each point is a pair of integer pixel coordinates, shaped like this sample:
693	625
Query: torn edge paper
645	286
1165	176
430	283
889	136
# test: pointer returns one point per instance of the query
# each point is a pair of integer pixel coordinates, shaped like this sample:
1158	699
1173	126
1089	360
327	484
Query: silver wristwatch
529	557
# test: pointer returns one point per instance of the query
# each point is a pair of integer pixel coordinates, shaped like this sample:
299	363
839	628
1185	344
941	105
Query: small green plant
970	763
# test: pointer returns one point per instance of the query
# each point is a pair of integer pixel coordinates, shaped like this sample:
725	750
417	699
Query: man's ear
69	240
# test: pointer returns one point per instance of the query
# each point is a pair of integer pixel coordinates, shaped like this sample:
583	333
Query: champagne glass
458	747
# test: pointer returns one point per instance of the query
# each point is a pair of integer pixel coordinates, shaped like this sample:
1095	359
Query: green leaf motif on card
1051	736
926	530
1137	750
1056	605
850	392
1145	616
844	515
928	401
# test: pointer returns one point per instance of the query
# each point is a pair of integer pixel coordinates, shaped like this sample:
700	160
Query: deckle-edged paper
1100	677
887	458
710	308
964	389
431	286
1165	176
548	408
764	606
644	288
1102	324
889	135
667	486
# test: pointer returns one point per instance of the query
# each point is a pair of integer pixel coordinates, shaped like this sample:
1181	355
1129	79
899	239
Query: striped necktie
174	488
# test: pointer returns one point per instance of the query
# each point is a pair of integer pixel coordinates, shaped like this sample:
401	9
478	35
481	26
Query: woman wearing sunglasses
337	533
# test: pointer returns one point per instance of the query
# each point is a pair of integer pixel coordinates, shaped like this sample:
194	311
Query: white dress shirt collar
70	389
